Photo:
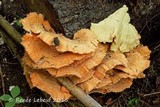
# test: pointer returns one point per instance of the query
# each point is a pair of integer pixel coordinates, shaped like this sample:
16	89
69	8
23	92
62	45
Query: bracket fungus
89	64
47	56
84	40
117	30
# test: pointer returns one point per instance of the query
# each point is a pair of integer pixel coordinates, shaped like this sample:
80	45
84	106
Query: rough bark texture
77	14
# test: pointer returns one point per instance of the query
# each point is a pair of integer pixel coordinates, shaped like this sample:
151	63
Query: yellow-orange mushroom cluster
84	60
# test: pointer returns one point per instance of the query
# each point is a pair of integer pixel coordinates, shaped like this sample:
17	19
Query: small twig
10	30
2	79
112	102
149	21
10	63
146	104
151	94
3	85
1	103
156	101
125	101
12	47
116	100
79	93
72	104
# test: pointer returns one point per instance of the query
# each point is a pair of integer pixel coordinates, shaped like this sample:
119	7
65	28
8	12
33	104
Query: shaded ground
74	15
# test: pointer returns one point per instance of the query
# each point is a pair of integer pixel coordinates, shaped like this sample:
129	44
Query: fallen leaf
157	83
